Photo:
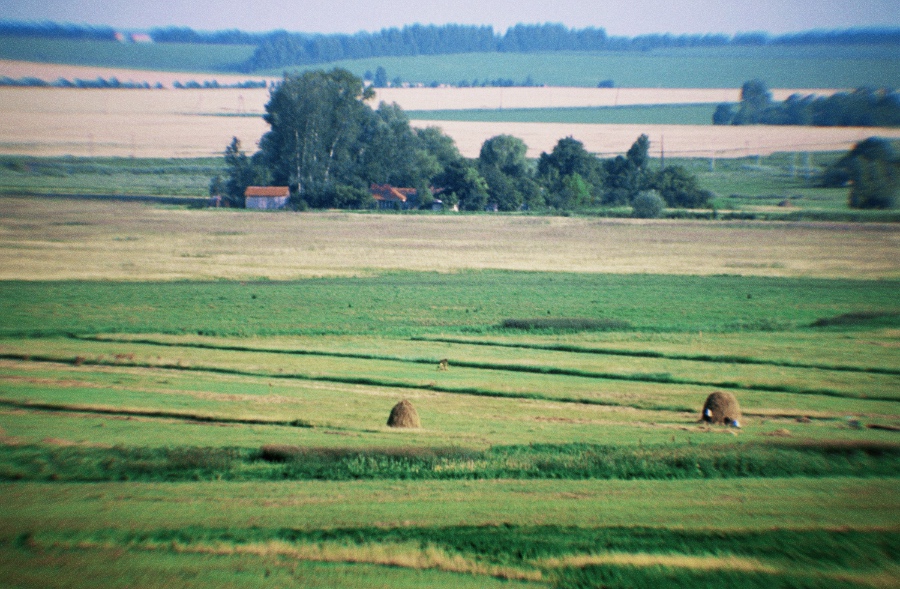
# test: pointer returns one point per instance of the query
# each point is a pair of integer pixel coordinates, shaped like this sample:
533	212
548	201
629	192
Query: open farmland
169	403
71	239
200	123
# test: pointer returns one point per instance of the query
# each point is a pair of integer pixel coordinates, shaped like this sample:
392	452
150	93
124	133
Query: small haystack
404	415
722	409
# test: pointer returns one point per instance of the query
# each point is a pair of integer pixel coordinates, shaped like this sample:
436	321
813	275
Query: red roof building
266	197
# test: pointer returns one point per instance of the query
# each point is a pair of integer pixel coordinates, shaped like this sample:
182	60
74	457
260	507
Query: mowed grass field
199	398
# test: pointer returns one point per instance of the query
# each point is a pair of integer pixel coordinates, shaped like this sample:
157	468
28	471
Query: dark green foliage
872	169
858	319
565	324
463	185
572	176
540	461
863	107
648	205
242	172
679	188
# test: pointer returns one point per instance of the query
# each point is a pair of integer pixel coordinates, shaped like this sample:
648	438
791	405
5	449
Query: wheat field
198	123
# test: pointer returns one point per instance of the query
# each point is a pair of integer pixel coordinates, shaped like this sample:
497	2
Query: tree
568	158
755	100
647	205
463	184
316	120
506	153
627	176
504	167
873	171
242	172
380	80
391	152
679	188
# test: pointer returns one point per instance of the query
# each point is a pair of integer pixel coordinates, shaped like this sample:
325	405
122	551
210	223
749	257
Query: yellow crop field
201	122
72	239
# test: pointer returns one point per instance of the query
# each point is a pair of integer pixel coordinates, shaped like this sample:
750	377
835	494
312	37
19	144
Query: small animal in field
121	357
444	365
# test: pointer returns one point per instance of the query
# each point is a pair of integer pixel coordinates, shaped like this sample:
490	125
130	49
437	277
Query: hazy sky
627	17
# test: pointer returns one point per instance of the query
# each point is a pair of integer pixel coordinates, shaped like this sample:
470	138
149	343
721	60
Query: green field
670	114
108	176
725	67
233	433
177	57
780	67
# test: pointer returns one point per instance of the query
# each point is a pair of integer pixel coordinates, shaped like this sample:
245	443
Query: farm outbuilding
266	197
392	197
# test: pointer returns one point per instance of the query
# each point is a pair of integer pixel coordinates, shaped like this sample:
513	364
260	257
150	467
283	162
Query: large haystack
404	415
722	409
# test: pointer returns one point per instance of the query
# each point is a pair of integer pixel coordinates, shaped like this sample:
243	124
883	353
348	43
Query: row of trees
280	49
864	107
329	146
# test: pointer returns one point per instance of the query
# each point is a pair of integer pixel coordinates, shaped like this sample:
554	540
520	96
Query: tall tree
316	120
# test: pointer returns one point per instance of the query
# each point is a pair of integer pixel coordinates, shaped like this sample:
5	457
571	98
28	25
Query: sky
627	18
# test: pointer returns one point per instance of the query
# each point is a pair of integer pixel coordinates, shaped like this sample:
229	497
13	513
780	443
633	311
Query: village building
266	197
391	197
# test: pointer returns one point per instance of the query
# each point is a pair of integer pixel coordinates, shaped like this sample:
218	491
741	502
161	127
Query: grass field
688	114
811	67
784	67
181	57
231	431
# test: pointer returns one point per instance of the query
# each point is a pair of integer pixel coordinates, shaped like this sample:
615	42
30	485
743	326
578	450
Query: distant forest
278	49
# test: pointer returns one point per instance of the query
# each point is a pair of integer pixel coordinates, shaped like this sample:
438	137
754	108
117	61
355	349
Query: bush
648	205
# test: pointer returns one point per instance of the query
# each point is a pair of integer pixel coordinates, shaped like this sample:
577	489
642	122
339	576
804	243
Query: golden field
72	239
197	123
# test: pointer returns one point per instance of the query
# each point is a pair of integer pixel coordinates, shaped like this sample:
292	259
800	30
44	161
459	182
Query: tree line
863	107
276	49
281	48
329	146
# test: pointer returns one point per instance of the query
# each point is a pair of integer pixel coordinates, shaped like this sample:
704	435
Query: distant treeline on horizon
281	48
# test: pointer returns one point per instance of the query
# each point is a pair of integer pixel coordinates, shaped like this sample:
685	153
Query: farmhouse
266	197
391	197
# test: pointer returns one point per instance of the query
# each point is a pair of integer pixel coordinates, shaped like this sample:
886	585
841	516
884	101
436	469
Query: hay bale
404	415
722	409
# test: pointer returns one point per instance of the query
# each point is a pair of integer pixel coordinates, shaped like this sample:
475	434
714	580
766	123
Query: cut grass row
532	462
524	380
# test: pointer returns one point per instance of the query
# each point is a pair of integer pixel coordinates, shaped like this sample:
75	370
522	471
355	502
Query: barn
266	197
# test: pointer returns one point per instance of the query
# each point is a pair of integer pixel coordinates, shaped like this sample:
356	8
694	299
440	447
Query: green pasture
408	303
724	67
179	57
780	67
667	114
233	433
108	176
